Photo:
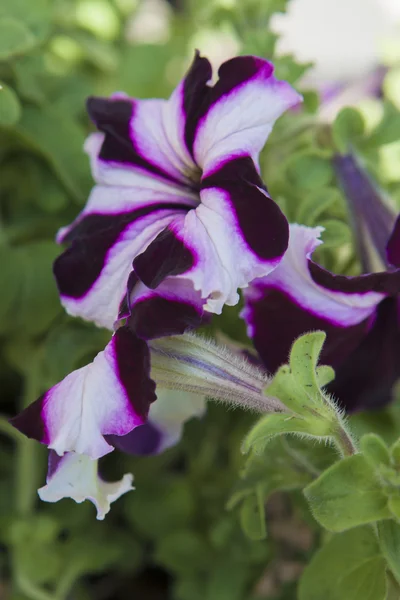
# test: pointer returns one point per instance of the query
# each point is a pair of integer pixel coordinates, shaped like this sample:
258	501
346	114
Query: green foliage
349	567
346	495
298	386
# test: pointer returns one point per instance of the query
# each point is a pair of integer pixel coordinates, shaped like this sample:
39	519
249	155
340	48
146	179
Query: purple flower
109	404
179	218
359	315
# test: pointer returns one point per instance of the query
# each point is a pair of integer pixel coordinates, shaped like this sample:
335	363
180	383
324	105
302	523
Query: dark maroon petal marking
166	255
77	269
199	98
195	95
367	208
142	440
113	117
386	282
263	225
132	357
393	247
278	320
30	421
158	317
366	379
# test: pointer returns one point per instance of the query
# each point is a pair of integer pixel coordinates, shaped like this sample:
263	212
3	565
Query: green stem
27	453
7	429
344	441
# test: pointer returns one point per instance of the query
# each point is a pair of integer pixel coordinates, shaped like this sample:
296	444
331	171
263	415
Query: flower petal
299	296
237	114
134	142
171	309
111	395
92	273
393	246
236	234
164	427
366	379
76	476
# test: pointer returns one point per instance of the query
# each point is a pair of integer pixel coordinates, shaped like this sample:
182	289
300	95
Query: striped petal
300	296
111	395
92	273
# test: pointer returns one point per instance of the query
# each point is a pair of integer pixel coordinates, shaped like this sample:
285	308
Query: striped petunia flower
109	404
179	218
359	314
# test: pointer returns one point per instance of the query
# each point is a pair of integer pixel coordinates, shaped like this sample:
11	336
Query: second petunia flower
178	194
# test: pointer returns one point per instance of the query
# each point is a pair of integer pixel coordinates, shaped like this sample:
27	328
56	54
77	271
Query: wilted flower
359	315
179	206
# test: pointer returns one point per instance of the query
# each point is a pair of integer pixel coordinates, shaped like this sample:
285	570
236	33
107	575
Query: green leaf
15	38
347	128
35	16
389	537
59	139
309	171
348	567
336	233
316	202
10	107
183	551
30	300
278	424
346	495
375	450
304	357
252	515
30	73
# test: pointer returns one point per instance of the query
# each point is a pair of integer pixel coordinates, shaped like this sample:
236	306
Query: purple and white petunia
109	397
178	196
359	315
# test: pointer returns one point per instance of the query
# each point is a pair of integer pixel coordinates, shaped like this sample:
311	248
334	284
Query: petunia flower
360	316
76	475
109	404
178	200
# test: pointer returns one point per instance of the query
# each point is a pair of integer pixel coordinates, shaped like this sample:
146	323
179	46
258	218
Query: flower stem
344	441
27	452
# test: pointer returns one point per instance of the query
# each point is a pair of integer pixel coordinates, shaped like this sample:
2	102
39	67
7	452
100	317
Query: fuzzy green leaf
346	495
375	450
389	537
348	567
278	424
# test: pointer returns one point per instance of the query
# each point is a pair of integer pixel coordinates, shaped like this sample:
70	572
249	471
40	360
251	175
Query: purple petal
164	428
393	247
299	296
111	395
171	309
259	220
236	115
372	217
130	135
92	273
365	380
